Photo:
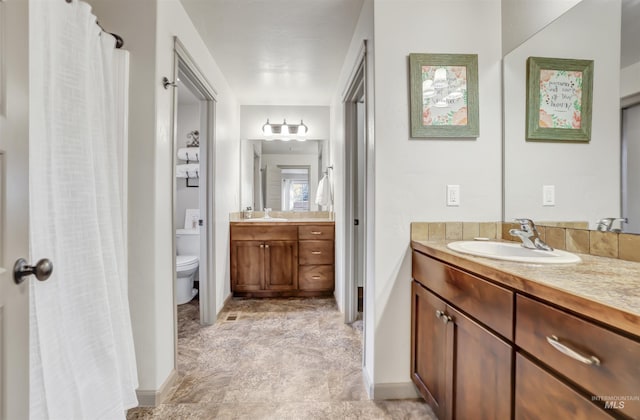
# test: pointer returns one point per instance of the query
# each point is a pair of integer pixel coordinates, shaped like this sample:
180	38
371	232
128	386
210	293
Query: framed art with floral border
444	95
559	99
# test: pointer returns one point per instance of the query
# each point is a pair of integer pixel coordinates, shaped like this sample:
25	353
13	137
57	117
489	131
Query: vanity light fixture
285	130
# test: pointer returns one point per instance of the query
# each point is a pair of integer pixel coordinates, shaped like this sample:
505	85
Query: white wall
523	18
630	80
586	175
186	197
411	174
148	28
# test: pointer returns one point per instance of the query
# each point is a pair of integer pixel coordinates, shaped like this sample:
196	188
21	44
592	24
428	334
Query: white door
14	209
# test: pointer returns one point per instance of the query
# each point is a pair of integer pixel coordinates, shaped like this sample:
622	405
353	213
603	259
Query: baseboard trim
153	398
227	300
394	391
368	385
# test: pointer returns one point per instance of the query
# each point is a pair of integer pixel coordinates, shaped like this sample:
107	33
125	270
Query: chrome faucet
266	213
606	224
529	235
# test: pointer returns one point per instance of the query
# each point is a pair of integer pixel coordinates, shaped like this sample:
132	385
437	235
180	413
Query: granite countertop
605	289
297	220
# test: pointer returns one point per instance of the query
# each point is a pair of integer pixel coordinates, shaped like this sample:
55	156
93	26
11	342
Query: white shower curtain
81	352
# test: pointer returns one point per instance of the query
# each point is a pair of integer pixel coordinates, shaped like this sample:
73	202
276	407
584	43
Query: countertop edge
289	222
593	309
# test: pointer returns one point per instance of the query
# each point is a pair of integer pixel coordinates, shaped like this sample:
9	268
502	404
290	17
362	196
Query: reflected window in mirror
295	189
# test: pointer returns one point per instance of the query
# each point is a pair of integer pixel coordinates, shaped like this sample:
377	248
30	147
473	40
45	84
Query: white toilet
188	250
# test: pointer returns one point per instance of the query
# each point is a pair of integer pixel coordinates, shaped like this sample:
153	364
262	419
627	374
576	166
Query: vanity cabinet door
281	265
429	348
247	266
461	369
482	366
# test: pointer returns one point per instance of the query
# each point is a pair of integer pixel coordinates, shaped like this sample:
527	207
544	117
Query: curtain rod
119	40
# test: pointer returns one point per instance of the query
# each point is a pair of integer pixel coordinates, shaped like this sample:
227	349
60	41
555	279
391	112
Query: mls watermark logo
615	402
614	405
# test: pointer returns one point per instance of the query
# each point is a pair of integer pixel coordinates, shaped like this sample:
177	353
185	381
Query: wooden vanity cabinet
462	368
540	395
429	348
482	351
316	258
269	260
594	359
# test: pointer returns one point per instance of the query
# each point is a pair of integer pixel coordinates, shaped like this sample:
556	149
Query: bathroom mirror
282	175
568	182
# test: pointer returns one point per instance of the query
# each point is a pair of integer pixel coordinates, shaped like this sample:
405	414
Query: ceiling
290	52
630	32
277	52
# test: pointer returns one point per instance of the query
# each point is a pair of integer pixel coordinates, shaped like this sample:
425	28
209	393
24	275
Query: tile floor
280	359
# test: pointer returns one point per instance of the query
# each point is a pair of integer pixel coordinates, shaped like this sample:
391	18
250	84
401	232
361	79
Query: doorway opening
193	204
355	191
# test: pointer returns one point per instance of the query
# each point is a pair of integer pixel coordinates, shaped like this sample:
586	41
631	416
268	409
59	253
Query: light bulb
284	131
266	129
302	129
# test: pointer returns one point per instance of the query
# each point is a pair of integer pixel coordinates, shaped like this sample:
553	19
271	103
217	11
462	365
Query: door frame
356	91
184	63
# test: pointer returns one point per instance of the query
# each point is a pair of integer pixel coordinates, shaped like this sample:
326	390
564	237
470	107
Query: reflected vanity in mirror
564	181
282	175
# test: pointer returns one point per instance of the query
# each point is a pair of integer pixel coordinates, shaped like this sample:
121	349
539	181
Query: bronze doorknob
42	270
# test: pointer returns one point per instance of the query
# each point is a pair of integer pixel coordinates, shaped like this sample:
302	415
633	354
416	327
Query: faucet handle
526	224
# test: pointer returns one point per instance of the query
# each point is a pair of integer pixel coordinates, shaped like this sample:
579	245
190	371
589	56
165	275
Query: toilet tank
188	242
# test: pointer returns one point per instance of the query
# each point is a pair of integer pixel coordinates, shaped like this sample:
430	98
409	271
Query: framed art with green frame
444	95
559	99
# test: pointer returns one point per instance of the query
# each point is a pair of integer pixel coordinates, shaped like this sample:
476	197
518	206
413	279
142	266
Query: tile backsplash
570	236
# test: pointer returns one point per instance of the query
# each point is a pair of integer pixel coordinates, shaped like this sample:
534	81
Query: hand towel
323	195
188	170
190	154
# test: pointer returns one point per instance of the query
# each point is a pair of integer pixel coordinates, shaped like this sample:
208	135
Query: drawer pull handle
266	246
443	317
316	232
316	252
261	245
315	277
568	351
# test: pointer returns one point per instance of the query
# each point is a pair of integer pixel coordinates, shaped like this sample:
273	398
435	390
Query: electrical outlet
548	195
453	195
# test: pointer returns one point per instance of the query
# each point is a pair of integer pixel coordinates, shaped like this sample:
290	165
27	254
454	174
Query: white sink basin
513	252
268	219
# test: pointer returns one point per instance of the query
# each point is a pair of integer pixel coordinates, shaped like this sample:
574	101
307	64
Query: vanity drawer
316	232
264	233
488	303
315	252
539	395
316	277
618	374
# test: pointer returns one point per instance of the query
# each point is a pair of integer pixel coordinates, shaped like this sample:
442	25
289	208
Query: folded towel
190	154
189	170
323	195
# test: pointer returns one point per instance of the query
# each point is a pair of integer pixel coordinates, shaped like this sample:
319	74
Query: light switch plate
548	195
453	195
